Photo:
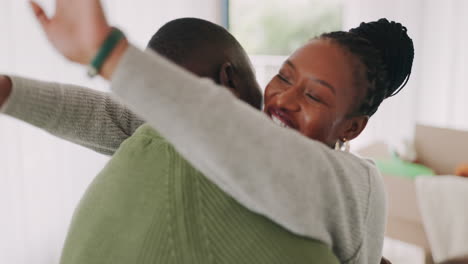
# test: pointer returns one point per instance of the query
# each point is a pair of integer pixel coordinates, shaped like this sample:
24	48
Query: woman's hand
5	89
77	29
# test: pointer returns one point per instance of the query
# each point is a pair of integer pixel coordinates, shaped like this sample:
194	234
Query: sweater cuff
31	101
121	71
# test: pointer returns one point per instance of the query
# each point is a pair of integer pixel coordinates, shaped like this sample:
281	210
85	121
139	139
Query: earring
347	145
343	142
338	145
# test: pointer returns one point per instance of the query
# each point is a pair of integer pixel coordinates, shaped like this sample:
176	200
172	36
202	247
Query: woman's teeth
278	121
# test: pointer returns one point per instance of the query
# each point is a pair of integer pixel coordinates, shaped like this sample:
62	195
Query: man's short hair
178	39
190	41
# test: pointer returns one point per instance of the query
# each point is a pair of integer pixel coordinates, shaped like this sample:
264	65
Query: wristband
104	51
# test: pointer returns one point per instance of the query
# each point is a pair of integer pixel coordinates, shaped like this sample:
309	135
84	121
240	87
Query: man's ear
227	78
354	127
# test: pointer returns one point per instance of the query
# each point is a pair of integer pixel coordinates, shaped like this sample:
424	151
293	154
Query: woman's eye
313	98
282	78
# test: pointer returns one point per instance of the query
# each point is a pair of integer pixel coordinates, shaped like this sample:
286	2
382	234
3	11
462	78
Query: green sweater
298	183
149	205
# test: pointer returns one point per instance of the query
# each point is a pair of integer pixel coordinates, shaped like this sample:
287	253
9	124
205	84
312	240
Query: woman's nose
289	99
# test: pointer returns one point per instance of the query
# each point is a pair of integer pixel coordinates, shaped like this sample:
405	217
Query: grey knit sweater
87	117
299	183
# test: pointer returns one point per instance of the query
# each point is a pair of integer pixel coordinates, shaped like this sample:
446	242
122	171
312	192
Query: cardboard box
440	149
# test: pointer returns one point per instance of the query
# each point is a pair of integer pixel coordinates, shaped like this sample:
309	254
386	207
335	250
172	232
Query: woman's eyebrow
322	82
290	64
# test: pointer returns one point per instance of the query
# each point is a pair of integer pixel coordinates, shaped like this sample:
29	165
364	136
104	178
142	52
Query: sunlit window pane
278	27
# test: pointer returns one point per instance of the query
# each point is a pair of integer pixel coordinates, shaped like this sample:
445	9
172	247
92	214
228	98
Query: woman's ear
354	127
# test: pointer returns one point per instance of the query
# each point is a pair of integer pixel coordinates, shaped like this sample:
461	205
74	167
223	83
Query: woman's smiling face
316	91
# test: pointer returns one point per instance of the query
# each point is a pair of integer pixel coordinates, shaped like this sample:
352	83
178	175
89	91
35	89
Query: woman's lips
278	121
280	118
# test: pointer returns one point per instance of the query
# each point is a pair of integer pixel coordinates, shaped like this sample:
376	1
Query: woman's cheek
316	124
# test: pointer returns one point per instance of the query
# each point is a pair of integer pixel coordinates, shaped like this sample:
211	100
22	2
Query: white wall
437	90
444	64
41	177
395	118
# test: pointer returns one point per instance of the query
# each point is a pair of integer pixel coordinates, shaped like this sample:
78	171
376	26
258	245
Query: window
269	30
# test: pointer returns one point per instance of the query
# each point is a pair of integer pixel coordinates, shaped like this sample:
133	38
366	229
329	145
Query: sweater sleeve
80	115
297	182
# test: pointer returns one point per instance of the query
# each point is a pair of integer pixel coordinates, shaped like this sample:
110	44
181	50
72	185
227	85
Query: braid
386	52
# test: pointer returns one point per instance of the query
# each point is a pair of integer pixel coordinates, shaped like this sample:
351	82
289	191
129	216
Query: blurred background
42	178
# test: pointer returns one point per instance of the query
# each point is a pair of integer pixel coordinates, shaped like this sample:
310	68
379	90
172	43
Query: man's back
149	205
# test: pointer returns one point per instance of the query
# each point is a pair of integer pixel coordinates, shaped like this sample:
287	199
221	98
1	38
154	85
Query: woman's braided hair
387	53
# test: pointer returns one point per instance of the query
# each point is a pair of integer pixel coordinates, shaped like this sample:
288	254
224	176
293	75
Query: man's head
209	50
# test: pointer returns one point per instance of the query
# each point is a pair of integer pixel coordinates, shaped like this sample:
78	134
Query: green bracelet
106	49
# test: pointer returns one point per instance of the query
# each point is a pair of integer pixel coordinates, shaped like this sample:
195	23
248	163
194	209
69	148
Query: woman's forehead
324	59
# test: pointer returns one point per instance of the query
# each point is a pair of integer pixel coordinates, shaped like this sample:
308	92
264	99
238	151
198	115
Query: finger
39	13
